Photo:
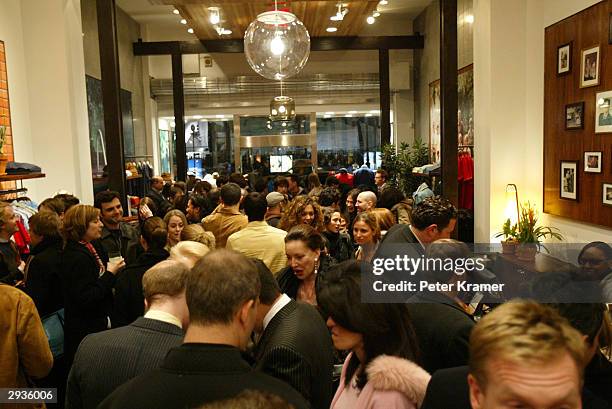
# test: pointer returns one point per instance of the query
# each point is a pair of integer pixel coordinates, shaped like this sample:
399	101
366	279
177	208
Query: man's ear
245	311
476	392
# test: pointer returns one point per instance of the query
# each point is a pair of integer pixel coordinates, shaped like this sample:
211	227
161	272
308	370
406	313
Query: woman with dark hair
42	273
380	371
338	244
366	232
202	188
87	278
302	210
129	299
305	263
314	185
595	261
393	199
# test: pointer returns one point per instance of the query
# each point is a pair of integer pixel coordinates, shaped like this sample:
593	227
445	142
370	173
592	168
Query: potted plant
509	233
530	234
3	157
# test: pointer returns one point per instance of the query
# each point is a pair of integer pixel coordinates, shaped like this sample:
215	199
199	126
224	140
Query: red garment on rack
22	239
465	177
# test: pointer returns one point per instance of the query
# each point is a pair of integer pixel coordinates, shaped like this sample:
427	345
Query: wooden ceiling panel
236	15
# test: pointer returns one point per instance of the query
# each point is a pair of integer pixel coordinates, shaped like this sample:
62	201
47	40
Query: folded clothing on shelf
18	168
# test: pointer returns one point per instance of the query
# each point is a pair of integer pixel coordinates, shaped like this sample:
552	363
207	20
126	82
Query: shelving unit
20	178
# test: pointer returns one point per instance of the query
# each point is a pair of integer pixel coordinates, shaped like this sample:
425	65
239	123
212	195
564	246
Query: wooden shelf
10	178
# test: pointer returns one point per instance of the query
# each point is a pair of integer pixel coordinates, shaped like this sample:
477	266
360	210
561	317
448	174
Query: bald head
366	201
157	182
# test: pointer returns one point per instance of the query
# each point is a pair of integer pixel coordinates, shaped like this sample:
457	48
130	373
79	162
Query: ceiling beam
412	42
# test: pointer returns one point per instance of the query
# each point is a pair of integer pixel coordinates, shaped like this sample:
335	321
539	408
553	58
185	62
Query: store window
209	145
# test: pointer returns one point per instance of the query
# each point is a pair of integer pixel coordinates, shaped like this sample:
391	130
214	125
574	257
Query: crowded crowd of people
241	292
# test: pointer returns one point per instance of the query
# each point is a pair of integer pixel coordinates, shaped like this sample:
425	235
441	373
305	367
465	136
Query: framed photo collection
589	67
607	194
574	116
592	162
603	112
564	59
569	180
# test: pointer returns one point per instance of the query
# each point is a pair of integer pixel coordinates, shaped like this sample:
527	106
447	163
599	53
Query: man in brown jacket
226	219
24	348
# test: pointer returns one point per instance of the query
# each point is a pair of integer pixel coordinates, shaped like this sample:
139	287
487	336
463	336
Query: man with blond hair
108	359
523	354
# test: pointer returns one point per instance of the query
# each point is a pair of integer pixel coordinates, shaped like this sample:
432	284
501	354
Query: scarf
93	251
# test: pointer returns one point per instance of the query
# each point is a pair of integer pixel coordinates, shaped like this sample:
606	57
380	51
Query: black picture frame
568	48
565	193
604	188
610	30
579	107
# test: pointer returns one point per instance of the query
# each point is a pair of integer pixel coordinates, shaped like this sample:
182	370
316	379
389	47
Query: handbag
54	328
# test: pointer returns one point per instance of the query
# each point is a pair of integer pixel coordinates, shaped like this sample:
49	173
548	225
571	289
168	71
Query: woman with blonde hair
188	252
302	210
195	232
385	219
366	233
87	278
176	222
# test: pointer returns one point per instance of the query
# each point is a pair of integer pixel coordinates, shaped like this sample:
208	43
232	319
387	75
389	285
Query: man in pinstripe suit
294	343
108	359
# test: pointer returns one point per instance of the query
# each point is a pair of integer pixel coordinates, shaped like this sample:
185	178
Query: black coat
163	205
88	296
129	298
111	358
442	329
296	347
289	283
448	388
43	283
194	374
339	246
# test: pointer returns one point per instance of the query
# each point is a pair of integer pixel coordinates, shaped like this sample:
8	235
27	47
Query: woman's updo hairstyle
155	232
307	234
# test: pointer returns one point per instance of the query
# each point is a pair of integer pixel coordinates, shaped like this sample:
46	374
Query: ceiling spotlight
371	20
190	30
339	16
383	2
376	14
469	19
215	16
331	29
183	21
175	11
226	32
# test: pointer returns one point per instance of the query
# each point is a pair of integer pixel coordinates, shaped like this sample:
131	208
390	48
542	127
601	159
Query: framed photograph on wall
603	112
607	194
564	59
589	67
610	30
592	162
569	179
574	116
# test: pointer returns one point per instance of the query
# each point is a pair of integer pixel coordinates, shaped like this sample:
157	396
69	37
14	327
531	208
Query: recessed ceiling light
376	14
383	2
469	19
183	21
371	20
352	112
190	30
175	11
331	29
226	32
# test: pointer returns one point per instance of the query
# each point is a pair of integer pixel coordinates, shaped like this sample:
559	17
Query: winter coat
393	383
402	211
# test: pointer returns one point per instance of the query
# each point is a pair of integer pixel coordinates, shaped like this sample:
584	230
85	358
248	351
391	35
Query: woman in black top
42	273
87	278
305	263
129	299
338	244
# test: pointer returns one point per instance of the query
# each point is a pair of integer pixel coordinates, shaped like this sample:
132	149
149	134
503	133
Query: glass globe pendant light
277	44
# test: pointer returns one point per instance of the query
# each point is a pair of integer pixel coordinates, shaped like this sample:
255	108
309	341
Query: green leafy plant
2	137
530	232
399	164
509	232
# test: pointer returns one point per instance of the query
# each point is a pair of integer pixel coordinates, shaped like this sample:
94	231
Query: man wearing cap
258	239
275	201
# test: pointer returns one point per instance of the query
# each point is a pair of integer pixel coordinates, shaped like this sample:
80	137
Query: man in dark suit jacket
163	205
294	343
108	359
222	295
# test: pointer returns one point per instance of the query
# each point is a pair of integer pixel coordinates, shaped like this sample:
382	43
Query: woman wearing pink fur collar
379	372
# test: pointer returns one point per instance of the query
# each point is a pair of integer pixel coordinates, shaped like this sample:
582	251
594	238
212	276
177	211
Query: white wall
47	90
509	109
